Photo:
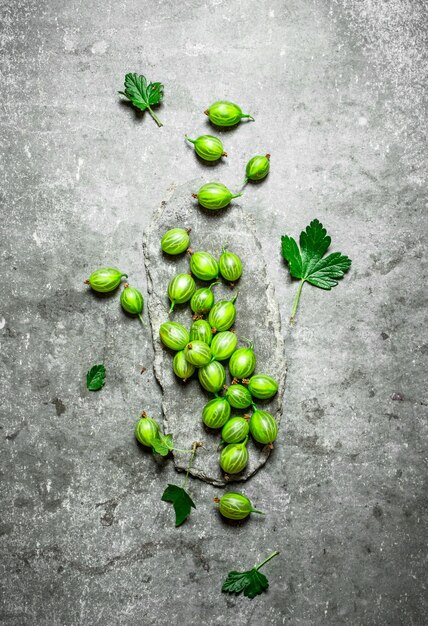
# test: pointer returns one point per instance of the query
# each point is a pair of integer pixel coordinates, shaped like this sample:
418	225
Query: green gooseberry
238	396
223	345
223	314
235	430
173	335
263	427
215	196
203	265
242	362
146	430
257	168
234	457
202	300
181	366
224	113
208	147
132	301
198	353
230	265
201	331
180	289
235	506
212	376
216	413
175	241
105	279
262	386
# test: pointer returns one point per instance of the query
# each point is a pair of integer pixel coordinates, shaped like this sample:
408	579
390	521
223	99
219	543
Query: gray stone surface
257	318
338	93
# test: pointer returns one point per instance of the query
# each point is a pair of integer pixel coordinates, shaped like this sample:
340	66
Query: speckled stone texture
257	318
338	92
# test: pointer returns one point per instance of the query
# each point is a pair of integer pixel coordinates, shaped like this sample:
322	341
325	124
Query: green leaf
95	378
181	500
309	263
162	444
143	95
252	583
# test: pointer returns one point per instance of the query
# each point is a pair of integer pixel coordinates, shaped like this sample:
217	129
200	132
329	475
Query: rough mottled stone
257	318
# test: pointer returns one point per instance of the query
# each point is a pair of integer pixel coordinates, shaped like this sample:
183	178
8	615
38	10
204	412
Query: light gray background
337	92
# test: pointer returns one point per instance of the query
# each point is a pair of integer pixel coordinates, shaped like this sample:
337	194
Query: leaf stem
155	117
192	456
296	301
257	567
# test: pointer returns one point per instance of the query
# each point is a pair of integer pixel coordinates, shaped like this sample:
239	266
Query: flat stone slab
257	318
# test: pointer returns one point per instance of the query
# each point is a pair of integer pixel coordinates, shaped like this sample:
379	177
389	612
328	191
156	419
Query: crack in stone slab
257	318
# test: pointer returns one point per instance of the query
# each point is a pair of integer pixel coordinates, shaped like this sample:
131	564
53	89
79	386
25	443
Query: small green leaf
163	444
252	583
181	500
308	263
95	378
143	95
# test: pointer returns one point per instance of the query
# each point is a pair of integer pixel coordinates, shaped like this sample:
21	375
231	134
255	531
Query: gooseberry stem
296	302
155	117
250	343
140	317
171	308
237	195
247	115
257	567
191	140
218	282
256	511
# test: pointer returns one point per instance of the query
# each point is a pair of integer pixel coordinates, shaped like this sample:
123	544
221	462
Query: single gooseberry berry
174	335
132	301
216	413
208	147
243	362
235	506
224	113
203	265
223	314
223	345
181	366
212	376
214	196
180	289
198	353
175	241
263	427
105	279
230	265
234	457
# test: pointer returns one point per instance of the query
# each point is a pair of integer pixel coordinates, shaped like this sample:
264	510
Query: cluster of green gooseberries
208	344
107	279
233	506
214	196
